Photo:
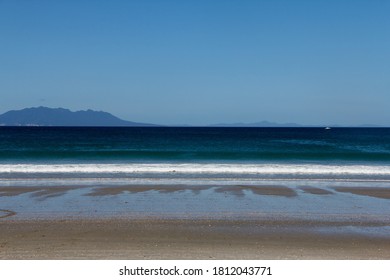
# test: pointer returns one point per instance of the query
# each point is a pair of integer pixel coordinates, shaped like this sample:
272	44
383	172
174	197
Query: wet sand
233	190
237	190
161	222
366	191
317	191
35	191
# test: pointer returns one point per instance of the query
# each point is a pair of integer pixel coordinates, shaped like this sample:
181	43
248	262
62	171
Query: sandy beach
179	239
127	222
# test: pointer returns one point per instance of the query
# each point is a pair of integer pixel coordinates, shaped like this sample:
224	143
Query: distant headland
43	116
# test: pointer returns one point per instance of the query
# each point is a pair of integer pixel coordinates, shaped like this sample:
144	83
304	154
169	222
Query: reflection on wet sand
366	191
46	192
116	190
275	190
14	191
51	192
232	190
313	190
39	192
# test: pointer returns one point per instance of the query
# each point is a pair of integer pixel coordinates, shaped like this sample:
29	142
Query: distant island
43	116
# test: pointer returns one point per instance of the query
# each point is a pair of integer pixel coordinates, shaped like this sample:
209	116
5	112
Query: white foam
198	168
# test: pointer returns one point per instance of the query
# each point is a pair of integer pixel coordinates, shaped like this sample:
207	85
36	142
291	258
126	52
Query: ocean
191	154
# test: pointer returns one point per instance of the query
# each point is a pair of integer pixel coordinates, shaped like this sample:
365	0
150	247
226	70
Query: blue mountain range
43	116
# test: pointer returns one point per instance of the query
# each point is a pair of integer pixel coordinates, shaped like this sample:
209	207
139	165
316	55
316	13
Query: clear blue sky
200	62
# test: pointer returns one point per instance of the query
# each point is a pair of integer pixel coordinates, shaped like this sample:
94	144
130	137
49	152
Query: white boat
327	128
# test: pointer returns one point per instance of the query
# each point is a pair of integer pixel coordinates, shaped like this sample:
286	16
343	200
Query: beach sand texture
179	239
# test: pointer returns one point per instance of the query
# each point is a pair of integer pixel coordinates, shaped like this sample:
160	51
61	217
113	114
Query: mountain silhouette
43	116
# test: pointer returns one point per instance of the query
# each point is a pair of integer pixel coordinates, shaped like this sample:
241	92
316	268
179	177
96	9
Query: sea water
192	154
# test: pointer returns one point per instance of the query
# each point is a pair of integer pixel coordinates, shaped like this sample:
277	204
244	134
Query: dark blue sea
195	153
